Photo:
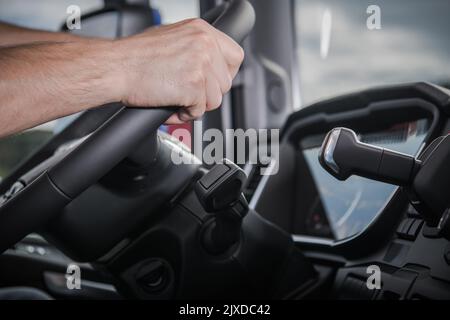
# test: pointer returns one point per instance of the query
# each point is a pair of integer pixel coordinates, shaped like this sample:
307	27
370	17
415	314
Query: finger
221	72
231	50
190	113
174	119
196	110
213	93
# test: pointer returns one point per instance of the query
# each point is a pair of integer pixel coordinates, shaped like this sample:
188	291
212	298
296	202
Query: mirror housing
426	179
117	19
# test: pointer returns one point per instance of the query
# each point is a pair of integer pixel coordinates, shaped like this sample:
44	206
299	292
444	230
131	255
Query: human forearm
40	82
11	35
188	64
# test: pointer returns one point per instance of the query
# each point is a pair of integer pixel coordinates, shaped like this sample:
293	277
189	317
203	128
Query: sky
413	44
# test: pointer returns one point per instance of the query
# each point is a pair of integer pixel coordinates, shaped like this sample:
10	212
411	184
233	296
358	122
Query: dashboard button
15	188
430	232
41	251
412	212
409	228
214	175
30	249
403	228
414	229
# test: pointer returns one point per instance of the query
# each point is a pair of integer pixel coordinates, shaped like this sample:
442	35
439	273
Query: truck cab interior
355	185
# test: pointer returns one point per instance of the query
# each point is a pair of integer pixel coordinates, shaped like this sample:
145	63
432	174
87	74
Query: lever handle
221	187
343	155
220	193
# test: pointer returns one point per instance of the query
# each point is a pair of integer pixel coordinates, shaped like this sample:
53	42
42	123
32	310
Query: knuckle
196	112
228	84
240	55
183	115
205	40
198	23
215	102
202	62
219	101
206	61
196	78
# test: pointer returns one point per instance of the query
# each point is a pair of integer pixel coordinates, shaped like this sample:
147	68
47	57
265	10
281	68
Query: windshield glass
348	45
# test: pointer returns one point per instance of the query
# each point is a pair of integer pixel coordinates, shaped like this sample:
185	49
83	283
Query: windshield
348	45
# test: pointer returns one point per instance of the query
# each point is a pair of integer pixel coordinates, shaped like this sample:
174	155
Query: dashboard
343	227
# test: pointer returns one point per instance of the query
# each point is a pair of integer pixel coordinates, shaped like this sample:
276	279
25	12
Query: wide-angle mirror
312	204
334	209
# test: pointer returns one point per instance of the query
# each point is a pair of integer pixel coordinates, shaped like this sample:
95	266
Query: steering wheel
30	208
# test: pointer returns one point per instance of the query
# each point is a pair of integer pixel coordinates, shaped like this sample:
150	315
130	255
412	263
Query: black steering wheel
33	206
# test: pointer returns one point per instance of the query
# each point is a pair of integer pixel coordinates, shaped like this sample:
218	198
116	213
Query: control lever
426	179
220	193
343	155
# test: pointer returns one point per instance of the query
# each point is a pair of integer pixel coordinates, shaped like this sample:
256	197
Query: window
175	10
337	52
46	15
50	15
42	14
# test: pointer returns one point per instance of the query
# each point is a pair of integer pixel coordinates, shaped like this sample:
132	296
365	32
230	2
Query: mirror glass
333	209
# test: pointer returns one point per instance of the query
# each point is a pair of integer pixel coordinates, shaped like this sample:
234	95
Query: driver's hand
188	64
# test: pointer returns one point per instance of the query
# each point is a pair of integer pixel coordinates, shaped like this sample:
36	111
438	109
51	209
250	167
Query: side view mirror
426	179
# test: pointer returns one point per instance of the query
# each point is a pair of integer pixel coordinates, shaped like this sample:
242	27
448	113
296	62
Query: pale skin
46	75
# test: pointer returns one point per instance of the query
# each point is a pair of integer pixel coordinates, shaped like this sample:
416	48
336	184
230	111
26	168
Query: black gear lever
426	179
220	193
343	155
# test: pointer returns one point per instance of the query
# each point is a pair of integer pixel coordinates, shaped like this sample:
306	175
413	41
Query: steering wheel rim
103	149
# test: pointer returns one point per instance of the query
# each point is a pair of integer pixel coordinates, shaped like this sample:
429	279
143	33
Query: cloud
413	45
